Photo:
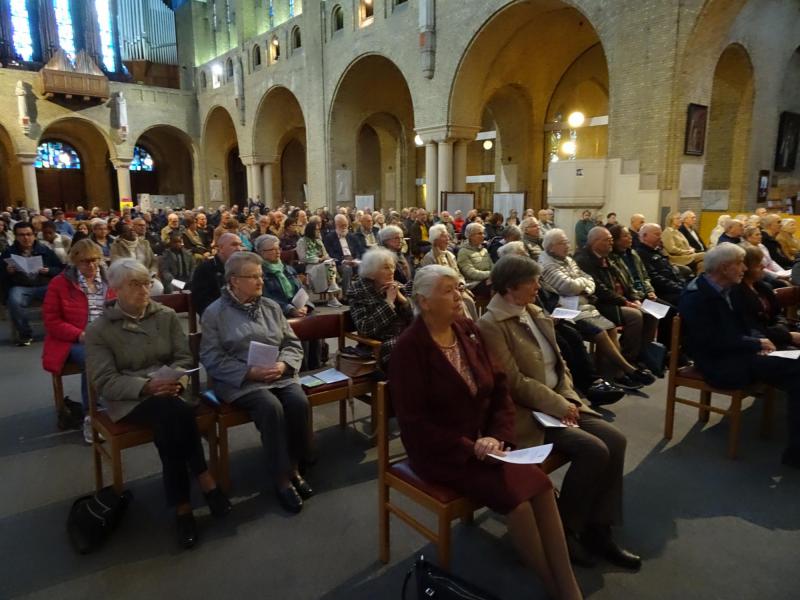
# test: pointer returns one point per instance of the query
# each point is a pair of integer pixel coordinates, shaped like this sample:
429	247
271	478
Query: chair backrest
289	257
181	304
675	345
317	327
788	298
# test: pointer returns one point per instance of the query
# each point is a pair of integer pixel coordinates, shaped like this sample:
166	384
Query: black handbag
435	583
93	518
654	357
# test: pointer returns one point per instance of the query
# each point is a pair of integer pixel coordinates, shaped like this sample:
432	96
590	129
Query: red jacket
65	313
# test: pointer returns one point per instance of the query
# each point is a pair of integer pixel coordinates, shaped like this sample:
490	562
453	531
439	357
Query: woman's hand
392	291
300	312
487	445
572	417
82	337
766	346
267	374
161	387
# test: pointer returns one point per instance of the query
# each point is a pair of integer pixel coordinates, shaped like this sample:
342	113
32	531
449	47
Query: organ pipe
147	31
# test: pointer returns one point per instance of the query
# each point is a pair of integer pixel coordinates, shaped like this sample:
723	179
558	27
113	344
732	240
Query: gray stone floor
707	527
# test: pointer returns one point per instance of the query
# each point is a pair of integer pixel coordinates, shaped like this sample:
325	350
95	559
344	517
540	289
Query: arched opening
337	18
224	169
256	56
297	40
506	83
203	80
162	164
229	69
274	49
367	12
372	135
12	188
728	141
94	184
279	136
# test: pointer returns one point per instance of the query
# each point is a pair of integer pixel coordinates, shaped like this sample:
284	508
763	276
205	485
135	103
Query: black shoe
643	376
186	530
791	458
289	499
24	341
302	487
578	554
627	382
218	503
599	541
604	393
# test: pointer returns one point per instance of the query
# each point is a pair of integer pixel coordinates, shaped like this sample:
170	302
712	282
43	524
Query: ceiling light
569	147
576	119
488	145
418	140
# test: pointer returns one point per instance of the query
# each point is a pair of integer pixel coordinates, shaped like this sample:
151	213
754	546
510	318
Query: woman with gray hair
378	306
269	391
126	346
474	261
532	236
391	238
439	255
455	411
281	282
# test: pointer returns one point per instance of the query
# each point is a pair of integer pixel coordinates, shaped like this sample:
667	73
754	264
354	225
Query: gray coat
227	333
121	352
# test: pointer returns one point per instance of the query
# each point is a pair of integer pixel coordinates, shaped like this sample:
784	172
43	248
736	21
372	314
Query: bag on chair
93	518
434	583
355	363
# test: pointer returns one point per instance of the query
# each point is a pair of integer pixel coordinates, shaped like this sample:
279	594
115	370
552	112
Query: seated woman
456	410
522	339
722	223
377	305
100	237
319	267
789	245
754	299
678	249
474	261
439	255
131	340
561	274
194	238
290	235
270	394
74	299
774	274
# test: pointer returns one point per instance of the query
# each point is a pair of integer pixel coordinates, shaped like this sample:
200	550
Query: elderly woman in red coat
456	410
74	299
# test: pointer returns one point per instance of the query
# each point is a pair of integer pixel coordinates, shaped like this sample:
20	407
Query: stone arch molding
80	122
279	113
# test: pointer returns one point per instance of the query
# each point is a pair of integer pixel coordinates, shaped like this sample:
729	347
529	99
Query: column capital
27	158
122	162
447	133
253	160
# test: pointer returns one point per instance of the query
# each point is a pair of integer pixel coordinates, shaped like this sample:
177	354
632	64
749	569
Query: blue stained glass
291	8
56	155
105	26
21	29
66	32
142	161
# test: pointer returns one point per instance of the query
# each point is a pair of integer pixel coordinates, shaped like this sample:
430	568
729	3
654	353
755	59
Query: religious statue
238	88
22	107
119	114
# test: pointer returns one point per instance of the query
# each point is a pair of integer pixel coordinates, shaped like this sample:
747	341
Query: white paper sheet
167	373
27	264
564	313
261	355
785	354
331	376
178	284
300	298
569	302
549	420
658	310
526	456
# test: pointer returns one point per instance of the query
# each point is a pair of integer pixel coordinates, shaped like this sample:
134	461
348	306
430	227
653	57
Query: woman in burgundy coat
454	410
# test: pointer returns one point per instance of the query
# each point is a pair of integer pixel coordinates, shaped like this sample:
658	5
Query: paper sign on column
178	284
658	310
564	313
262	355
569	302
526	456
548	420
300	298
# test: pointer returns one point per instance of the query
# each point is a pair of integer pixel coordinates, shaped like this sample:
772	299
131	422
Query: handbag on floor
93	518
434	583
654	357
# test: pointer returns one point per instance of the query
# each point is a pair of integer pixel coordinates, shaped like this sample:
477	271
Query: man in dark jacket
344	248
728	354
771	227
176	263
209	277
21	287
667	284
367	236
687	228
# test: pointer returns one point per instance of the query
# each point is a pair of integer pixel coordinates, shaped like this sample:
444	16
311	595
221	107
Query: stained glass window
291	8
271	14
21	29
56	155
105	25
142	161
66	32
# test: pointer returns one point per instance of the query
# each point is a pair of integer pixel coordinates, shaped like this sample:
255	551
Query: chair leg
213	452
705	400
342	413
767	414
735	414
116	468
443	541
224	462
98	466
58	393
669	414
383	523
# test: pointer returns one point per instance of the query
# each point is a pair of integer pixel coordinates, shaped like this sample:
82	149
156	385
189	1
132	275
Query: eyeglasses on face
251	277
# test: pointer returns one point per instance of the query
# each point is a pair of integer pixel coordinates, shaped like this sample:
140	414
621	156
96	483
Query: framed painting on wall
696	119
786	150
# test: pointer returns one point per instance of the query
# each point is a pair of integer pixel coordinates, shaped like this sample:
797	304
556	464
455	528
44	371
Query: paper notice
564	313
785	354
548	420
178	284
658	310
526	456
27	264
261	355
331	376
569	302
300	298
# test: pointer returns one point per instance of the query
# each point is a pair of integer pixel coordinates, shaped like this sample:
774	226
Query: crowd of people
462	301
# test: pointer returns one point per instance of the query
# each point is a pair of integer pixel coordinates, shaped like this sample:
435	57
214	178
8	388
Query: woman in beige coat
677	246
522	340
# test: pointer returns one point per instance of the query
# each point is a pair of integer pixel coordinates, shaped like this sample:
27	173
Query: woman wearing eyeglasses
440	255
74	299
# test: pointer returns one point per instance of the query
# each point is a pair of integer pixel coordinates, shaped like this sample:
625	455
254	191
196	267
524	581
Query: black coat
665	281
605	276
334	248
207	281
771	244
49	260
762	320
697	244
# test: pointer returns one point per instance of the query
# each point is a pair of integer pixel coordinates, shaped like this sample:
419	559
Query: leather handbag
434	583
355	363
654	357
92	519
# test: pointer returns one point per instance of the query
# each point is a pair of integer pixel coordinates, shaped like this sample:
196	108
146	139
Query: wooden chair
691	377
70	368
789	299
396	474
181	304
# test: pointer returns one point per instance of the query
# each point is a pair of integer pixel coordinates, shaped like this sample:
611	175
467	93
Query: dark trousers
592	490
178	441
784	374
570	344
281	416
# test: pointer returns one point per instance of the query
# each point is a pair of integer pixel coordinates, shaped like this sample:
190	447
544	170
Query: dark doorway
237	179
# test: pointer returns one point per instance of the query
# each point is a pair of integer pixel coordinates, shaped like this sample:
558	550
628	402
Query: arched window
337	18
66	32
367	11
56	155
256	55
275	48
142	161
21	29
229	68
105	26
203	80
297	40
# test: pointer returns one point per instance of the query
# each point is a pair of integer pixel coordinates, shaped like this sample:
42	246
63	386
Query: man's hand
652	296
767	346
634	304
795	338
11	269
572	417
44	271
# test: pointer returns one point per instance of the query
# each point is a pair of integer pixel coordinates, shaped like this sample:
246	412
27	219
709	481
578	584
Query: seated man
209	277
57	242
176	263
725	351
62	226
367	236
666	282
173	226
22	288
129	245
344	248
419	244
512	233
688	223
733	232
770	228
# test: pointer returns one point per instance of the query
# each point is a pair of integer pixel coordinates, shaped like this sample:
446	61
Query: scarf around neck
251	309
277	270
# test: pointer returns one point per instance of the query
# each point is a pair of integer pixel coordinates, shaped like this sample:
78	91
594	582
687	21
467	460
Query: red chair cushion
403	471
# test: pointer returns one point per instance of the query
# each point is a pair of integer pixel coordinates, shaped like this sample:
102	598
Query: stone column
269	201
256	181
431	177
460	165
27	161
122	166
445	167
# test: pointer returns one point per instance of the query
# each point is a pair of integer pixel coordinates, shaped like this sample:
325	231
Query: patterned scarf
251	309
